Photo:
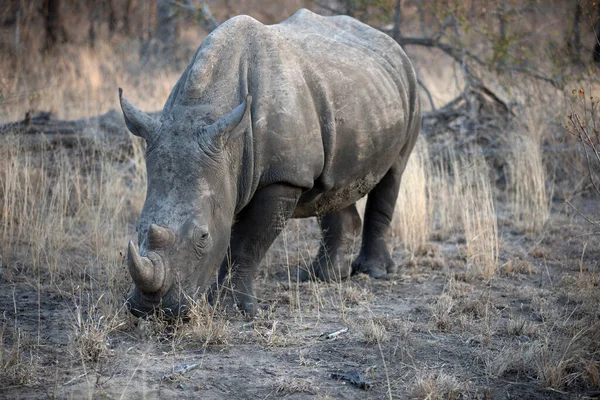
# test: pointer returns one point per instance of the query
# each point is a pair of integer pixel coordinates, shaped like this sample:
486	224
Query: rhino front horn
147	273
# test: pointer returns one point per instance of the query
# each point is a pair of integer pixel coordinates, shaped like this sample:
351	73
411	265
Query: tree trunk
55	30
350	7
597	31
112	17
93	16
167	28
575	45
130	6
397	21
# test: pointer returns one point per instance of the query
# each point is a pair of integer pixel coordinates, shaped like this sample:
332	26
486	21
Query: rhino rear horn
159	237
138	122
233	124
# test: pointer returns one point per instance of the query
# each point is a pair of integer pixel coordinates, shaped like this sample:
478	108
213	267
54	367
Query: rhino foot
230	301
375	267
331	272
340	231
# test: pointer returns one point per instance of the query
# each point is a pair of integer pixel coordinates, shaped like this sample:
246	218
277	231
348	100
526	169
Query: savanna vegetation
496	230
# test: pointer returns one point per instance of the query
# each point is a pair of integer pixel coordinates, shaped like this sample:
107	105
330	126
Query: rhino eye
201	235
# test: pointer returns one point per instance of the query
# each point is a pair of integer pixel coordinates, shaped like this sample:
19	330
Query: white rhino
267	123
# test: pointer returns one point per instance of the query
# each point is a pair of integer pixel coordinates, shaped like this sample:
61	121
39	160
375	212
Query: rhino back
334	100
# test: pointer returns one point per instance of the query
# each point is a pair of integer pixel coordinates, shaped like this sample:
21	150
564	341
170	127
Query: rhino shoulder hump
240	23
303	13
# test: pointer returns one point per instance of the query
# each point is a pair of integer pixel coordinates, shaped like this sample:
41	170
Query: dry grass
374	331
412	218
91	331
568	352
67	214
445	195
441	312
289	386
563	364
18	363
517	266
529	196
521	327
463	200
479	217
411	223
437	385
515	359
206	324
271	332
80	82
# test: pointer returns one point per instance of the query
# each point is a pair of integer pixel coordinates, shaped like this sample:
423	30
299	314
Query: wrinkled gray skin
269	123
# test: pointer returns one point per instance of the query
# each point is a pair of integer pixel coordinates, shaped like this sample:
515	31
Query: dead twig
180	370
75	379
334	335
427	93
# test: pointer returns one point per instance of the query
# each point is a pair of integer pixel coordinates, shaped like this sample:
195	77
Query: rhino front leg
255	229
374	258
340	230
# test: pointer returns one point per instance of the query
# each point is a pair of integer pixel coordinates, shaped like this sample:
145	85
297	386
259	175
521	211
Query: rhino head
185	224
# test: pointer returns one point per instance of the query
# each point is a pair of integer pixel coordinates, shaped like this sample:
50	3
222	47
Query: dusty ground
430	331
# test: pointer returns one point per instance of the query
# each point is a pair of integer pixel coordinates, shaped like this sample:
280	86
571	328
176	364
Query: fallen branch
335	334
43	123
43	130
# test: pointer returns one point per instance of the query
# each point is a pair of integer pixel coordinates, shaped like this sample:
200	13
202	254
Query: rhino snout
144	305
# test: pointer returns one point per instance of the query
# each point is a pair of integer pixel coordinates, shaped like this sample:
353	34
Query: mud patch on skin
337	199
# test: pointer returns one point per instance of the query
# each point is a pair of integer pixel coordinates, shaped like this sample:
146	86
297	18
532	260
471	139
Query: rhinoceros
268	123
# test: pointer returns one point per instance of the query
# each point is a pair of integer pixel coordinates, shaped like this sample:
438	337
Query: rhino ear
232	125
138	122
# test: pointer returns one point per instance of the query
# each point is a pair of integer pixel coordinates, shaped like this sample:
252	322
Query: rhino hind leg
374	258
340	231
256	227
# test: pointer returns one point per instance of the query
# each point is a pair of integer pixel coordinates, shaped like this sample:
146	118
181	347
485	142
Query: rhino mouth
146	305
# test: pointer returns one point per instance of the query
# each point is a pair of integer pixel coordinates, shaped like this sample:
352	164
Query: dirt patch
426	333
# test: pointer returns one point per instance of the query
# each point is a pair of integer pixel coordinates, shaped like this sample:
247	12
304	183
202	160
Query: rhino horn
233	124
138	122
159	237
147	274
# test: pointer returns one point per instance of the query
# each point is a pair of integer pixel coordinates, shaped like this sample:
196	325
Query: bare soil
439	333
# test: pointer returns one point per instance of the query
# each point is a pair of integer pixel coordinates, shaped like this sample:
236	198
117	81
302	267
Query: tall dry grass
69	212
66	212
530	198
412	217
80	82
450	196
463	204
478	214
446	194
